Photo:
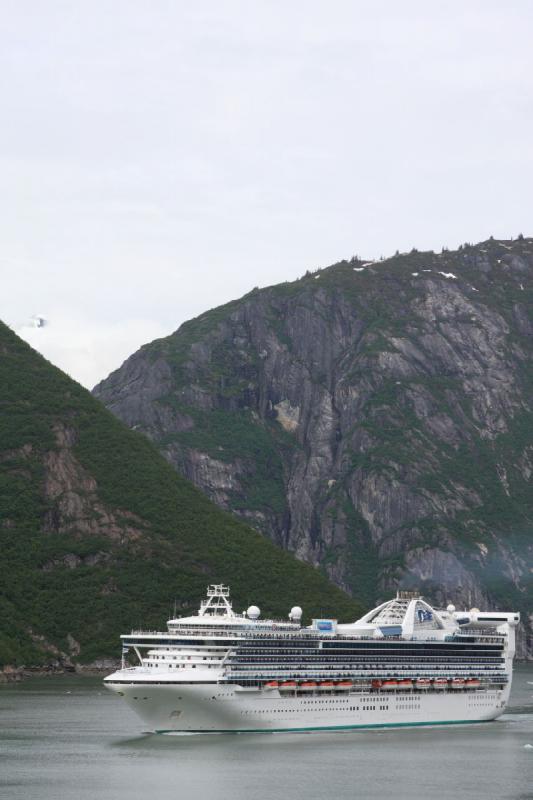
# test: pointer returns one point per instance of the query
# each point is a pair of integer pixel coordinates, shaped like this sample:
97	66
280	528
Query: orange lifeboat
344	685
389	685
440	683
422	683
271	685
405	683
308	685
458	683
376	684
473	683
288	685
327	684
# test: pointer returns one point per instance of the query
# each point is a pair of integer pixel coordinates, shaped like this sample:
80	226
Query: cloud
161	161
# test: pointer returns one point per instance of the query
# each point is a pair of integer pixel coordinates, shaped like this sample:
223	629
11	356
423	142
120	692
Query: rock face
375	419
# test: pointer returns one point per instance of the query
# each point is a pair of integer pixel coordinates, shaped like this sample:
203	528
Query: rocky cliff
98	534
375	418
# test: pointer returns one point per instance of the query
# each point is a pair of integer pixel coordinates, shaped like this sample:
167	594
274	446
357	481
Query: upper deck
408	616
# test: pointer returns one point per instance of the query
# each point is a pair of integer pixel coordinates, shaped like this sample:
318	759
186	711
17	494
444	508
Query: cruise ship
402	664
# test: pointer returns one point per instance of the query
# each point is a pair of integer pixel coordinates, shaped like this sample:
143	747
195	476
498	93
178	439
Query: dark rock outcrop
373	418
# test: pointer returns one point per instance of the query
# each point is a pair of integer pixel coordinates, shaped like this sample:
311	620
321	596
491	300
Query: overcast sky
159	158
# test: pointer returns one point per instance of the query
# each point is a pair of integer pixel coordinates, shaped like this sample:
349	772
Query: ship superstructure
403	663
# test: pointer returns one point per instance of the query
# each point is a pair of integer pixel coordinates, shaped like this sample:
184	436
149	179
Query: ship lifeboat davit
458	683
440	683
388	686
405	683
288	685
308	685
422	683
271	685
344	685
327	685
473	683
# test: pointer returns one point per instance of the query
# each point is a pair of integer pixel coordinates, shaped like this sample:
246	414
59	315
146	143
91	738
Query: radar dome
450	609
295	613
253	612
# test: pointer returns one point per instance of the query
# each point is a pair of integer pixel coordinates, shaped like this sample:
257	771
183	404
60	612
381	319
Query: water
70	739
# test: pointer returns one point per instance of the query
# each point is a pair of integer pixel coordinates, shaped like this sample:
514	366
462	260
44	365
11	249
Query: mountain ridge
375	418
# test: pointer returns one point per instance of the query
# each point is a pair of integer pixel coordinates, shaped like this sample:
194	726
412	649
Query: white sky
159	158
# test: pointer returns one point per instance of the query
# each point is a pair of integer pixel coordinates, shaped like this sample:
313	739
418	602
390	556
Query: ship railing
324	674
303	634
359	684
198	633
483	636
136	669
141	632
378	673
365	669
440	666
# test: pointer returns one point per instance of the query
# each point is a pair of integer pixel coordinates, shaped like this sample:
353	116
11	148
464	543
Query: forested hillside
98	533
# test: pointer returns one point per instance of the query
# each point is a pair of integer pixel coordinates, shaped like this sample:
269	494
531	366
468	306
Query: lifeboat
473	683
389	685
271	685
405	683
344	685
288	685
308	685
440	683
458	683
327	685
376	684
422	683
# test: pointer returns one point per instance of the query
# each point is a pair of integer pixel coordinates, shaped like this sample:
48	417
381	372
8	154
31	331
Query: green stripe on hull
336	727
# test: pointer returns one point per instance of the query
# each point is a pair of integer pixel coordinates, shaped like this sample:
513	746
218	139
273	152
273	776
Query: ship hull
215	708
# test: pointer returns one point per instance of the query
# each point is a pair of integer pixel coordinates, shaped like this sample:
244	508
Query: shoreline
11	674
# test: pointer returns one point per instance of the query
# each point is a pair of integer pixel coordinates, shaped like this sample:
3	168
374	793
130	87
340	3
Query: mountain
98	533
374	418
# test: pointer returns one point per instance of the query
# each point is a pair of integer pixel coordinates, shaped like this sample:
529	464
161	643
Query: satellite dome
450	609
295	613
253	612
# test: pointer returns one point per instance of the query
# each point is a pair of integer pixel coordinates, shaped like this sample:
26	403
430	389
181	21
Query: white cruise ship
404	663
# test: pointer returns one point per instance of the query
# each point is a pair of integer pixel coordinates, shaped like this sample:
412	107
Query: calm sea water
70	739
